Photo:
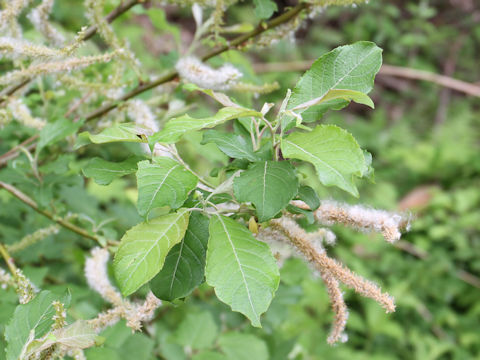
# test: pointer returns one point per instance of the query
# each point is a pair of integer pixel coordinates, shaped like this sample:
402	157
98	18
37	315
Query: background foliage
424	141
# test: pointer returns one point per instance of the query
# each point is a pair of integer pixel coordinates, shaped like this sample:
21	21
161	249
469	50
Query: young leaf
239	346
163	183
334	152
269	185
31	319
235	146
350	67
175	128
242	269
126	132
144	247
264	8
104	172
185	264
348	95
56	131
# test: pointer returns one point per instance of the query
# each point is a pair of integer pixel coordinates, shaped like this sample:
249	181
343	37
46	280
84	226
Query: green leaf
234	146
126	132
197	331
30	321
163	183
175	128
347	95
269	185
350	67
264	8
143	249
185	264
104	172
209	355
243	347
334	152
242	269
309	196
56	131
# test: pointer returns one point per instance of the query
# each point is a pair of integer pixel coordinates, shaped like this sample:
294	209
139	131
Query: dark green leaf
269	185
185	264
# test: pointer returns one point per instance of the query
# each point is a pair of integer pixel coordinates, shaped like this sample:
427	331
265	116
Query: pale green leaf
79	335
197	331
175	128
334	152
241	268
33	319
185	264
269	185
58	130
104	172
163	183
348	95
264	8
143	249
350	67
239	346
123	132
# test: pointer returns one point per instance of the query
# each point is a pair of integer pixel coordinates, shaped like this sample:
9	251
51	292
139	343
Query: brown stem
385	70
90	32
30	202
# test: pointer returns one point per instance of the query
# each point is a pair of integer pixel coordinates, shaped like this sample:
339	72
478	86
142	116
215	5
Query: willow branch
385	70
30	202
90	32
172	74
261	28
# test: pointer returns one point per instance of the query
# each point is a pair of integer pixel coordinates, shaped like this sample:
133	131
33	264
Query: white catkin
12	48
66	65
39	19
22	114
193	70
8	17
97	277
362	218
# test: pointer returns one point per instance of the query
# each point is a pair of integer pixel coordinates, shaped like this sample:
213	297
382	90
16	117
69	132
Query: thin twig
172	74
30	202
285	17
385	70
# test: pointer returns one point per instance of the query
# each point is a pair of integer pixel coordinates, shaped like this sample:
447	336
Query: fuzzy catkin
53	67
193	70
360	217
39	18
322	262
97	277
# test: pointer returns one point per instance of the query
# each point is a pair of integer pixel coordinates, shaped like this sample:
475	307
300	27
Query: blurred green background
425	142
